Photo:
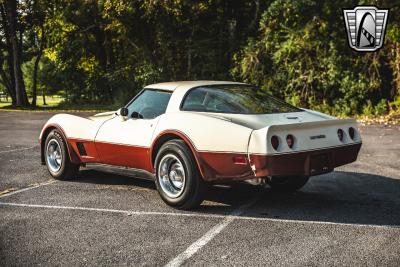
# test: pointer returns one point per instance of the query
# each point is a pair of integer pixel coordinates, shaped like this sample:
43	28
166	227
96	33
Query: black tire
67	169
287	183
192	192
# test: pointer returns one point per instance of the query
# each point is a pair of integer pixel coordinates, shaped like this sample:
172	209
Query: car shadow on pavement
106	178
338	197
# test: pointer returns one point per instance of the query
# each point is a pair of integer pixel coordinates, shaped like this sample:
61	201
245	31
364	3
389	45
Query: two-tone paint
225	146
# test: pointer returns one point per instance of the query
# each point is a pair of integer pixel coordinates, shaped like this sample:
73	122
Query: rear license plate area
319	163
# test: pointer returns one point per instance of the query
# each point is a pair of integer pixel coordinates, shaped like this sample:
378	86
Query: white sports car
188	134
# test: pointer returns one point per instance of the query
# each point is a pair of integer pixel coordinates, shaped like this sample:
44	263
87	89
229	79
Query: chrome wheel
171	176
54	155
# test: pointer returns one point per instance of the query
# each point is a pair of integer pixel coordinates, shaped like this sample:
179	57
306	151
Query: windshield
149	104
236	99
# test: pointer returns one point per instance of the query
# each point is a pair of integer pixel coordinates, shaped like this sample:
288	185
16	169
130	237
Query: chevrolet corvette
189	134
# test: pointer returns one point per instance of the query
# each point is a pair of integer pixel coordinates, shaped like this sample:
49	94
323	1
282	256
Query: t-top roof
171	86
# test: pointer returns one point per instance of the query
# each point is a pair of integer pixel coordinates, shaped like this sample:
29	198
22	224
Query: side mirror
123	112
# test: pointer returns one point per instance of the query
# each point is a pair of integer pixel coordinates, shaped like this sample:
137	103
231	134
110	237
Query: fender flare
188	142
42	139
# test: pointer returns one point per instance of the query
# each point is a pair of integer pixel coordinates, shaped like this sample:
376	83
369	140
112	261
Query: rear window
236	99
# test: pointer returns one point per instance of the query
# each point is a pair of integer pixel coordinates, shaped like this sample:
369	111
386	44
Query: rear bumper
305	163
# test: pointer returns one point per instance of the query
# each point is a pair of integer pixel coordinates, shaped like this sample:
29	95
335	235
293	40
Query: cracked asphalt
350	217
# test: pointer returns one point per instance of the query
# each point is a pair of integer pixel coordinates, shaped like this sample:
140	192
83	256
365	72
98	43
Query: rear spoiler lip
306	150
312	124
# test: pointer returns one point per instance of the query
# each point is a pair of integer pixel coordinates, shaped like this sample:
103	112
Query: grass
55	103
51	101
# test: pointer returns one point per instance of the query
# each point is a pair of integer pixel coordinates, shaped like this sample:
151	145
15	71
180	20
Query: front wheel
177	178
57	159
287	183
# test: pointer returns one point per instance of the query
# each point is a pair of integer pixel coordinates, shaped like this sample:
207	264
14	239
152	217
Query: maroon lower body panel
113	154
306	163
124	155
221	166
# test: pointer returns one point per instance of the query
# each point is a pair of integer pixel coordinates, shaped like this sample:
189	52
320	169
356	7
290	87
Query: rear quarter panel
207	133
215	143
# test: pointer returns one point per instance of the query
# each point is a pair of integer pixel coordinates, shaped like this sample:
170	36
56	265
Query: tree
6	56
104	51
20	92
301	54
36	37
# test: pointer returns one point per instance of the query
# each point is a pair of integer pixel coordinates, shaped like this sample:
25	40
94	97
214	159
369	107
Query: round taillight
290	140
352	132
275	142
340	134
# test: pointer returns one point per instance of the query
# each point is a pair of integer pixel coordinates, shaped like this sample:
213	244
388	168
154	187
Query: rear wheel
177	177
57	159
287	183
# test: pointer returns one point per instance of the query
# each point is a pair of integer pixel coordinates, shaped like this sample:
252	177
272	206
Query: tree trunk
44	96
34	86
6	81
35	69
8	73
8	87
21	97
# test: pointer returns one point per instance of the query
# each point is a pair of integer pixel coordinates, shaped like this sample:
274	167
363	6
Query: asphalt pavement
350	217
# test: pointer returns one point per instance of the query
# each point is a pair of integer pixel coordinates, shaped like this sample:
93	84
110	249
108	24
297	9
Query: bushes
379	109
301	54
103	52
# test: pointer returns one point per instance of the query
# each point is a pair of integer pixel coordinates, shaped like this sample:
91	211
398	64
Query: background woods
104	51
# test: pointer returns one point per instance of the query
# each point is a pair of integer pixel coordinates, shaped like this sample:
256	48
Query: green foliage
395	105
368	109
381	107
301	54
105	51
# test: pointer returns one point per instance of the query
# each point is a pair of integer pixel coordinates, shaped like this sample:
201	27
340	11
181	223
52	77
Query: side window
194	101
209	100
150	104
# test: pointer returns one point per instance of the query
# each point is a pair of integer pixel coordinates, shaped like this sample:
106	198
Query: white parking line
232	216
127	212
64	207
207	237
27	188
18	149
